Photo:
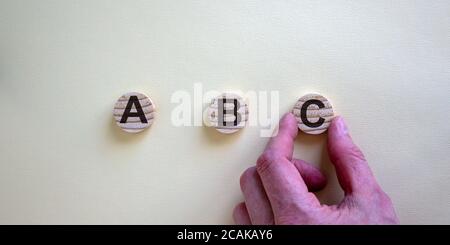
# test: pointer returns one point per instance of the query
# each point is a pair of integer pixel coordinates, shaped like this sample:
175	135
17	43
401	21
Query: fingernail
341	126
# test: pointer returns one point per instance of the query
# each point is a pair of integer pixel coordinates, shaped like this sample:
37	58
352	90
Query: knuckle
379	197
265	161
299	213
239	207
388	215
343	152
356	153
246	175
384	198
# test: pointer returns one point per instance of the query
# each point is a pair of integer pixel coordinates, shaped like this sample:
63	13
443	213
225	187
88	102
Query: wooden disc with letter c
313	113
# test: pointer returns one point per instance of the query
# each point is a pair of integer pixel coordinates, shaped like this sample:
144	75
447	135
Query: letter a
139	112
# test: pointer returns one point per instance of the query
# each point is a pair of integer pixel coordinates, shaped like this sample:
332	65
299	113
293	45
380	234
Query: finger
256	200
240	215
314	179
352	169
282	182
283	142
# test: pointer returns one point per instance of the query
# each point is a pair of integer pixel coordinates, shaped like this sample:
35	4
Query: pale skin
279	189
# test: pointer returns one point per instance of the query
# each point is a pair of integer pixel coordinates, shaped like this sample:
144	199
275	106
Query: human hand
278	189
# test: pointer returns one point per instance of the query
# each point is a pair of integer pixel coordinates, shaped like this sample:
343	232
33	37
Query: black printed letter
139	112
304	110
222	112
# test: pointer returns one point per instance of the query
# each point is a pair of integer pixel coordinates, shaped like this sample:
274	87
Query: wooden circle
313	113
134	112
221	113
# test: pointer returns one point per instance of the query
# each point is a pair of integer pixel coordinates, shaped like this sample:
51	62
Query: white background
385	65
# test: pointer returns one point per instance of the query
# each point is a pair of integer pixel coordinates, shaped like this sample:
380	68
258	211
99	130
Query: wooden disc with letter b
228	113
313	113
134	112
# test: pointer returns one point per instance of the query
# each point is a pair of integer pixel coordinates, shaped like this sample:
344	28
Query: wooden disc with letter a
134	112
313	113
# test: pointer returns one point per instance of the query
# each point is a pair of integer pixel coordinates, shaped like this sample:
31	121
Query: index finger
284	186
283	142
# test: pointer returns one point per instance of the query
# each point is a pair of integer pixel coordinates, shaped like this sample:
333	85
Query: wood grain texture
134	124
314	113
213	114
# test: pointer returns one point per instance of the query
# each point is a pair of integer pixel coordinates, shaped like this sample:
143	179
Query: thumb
352	169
